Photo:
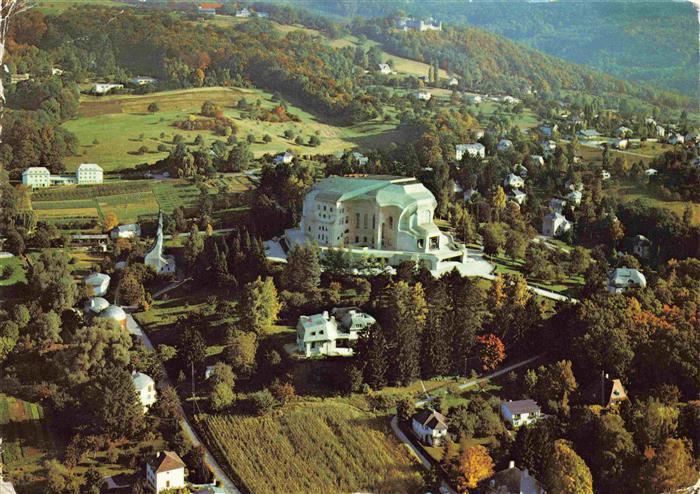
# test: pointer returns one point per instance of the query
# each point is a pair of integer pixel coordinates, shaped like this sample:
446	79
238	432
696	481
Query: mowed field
27	440
111	129
327	446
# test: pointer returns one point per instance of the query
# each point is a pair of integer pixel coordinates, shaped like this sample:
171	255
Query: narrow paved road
226	483
423	460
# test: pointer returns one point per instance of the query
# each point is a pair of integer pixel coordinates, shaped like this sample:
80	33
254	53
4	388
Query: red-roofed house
165	471
208	8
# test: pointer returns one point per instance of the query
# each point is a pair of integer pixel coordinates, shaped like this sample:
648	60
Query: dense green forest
653	42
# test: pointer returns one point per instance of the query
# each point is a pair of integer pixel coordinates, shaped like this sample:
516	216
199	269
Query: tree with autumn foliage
475	464
672	467
491	351
566	472
110	221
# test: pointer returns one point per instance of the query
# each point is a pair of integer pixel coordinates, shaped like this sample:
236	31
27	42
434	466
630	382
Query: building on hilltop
384	217
420	25
155	258
319	334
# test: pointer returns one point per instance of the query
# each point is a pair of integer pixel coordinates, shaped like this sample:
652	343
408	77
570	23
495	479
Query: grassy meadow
111	129
320	446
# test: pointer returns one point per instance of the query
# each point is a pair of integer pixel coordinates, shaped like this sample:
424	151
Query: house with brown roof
429	426
165	471
520	412
606	393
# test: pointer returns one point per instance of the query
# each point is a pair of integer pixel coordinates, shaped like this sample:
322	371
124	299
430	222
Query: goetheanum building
385	217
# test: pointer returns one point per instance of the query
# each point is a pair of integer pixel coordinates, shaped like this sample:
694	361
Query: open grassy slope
111	129
326	446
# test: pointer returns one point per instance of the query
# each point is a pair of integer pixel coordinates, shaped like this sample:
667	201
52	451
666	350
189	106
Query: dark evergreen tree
436	356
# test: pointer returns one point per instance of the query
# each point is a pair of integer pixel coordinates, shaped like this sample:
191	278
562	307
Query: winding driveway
226	483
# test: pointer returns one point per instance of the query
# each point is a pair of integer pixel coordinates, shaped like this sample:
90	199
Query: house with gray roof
429	426
520	412
473	150
555	224
514	480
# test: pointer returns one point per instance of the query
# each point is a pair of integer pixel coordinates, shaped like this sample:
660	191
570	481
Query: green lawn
57	6
18	271
319	446
111	129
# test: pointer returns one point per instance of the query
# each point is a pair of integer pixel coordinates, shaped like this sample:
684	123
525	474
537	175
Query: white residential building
89	173
36	176
517	196
556	204
475	99
284	158
548	147
429	426
142	80
575	197
96	284
145	389
555	224
623	279
383	217
321	334
675	138
623	132
453	82
536	159
605	175
423	95
161	263
620	143
104	87
474	150
359	158
520	412
514	181
660	131
641	246
504	145
384	68
132	230
412	24
166	471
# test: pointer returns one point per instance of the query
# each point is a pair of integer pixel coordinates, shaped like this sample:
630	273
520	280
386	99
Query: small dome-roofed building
96	284
145	389
115	313
96	305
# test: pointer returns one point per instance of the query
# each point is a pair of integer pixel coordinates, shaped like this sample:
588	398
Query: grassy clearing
505	265
628	192
58	6
18	271
326	446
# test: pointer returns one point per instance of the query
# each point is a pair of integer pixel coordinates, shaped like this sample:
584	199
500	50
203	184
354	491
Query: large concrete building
385	217
89	173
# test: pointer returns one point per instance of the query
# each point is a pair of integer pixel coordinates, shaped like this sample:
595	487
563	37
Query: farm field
27	442
111	129
348	450
57	6
128	200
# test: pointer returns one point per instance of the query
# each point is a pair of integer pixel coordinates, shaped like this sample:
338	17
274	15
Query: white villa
96	284
623	132
131	230
423	95
555	224
605	175
384	217
412	24
430	427
40	176
641	246
384	68
556	204
520	412
504	145
513	181
475	99
145	389
359	158
675	139
620	143
319	334
166	471
623	279
475	150
548	147
142	80
89	173
104	87
155	258
284	158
